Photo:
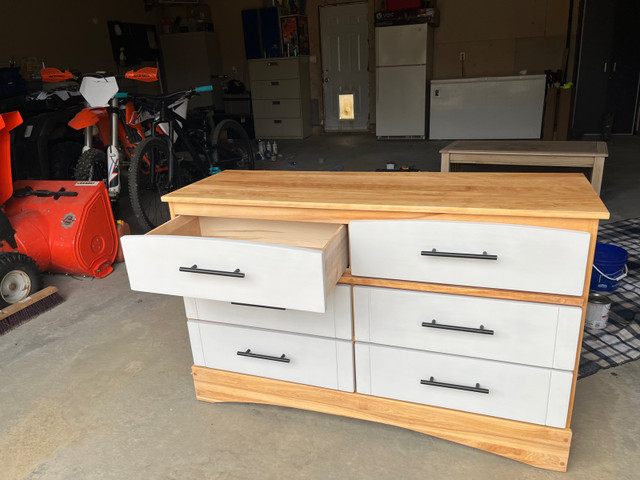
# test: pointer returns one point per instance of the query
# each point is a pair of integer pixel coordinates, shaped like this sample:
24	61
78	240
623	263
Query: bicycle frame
169	121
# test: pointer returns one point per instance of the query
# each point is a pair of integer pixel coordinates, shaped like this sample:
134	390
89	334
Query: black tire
232	147
92	166
149	181
63	159
19	278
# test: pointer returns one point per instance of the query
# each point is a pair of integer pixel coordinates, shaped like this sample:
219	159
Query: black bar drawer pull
275	84
194	269
275	102
442	326
248	353
277	121
257	306
432	383
272	64
479	256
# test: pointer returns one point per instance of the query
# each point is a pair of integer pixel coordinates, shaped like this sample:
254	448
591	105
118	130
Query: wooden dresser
447	303
280	95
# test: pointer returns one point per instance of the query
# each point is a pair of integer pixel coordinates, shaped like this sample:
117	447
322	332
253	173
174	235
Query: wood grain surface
537	445
402	193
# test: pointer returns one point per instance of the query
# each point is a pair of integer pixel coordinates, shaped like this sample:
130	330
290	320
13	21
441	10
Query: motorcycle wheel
91	166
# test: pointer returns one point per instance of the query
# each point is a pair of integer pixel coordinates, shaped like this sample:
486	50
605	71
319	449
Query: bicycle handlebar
169	96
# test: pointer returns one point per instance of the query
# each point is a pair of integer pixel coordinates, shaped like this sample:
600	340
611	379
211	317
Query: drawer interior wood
297	234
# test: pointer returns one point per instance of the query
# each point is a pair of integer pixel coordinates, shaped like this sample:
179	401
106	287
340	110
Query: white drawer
335	322
281	264
521	332
275	89
271	69
514	257
285	108
517	392
278	127
317	361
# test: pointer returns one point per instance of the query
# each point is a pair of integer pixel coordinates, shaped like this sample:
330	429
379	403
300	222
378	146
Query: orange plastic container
66	227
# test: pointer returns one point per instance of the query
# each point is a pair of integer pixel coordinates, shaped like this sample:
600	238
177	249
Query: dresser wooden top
509	194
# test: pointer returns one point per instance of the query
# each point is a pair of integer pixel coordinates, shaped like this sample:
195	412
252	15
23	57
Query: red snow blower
51	226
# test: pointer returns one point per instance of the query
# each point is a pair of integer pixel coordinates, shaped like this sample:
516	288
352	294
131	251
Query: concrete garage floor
100	387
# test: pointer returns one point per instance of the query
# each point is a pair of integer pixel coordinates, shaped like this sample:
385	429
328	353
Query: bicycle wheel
91	166
149	181
232	147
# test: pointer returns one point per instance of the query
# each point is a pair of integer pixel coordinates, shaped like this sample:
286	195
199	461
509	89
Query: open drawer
260	262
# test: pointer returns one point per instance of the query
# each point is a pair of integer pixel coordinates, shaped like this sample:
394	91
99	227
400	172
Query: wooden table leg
596	173
444	162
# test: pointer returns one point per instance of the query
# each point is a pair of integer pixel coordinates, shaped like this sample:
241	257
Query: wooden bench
528	152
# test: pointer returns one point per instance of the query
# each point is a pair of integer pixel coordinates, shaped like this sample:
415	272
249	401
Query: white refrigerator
403	68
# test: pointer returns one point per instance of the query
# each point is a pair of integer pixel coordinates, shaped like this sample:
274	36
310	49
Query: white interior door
345	61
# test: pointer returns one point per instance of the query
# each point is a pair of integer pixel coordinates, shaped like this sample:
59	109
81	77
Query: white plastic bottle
274	148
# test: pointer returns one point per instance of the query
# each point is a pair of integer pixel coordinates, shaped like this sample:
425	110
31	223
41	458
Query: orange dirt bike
117	126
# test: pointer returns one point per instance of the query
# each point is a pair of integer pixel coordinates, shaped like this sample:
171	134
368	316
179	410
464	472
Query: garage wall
67	33
499	37
227	22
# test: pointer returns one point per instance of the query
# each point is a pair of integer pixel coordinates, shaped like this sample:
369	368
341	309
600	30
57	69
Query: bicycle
157	168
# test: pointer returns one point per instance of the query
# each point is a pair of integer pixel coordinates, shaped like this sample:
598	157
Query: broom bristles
20	312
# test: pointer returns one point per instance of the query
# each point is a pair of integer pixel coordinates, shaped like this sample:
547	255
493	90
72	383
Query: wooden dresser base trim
536	445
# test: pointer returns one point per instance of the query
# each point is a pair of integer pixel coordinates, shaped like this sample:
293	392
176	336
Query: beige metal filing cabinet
280	96
461	315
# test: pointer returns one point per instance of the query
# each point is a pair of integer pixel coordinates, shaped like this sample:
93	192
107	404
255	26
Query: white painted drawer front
216	265
521	332
285	108
536	259
277	89
273	69
335	322
517	392
317	361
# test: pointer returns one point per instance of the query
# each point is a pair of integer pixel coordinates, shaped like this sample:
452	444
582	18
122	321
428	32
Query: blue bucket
609	267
